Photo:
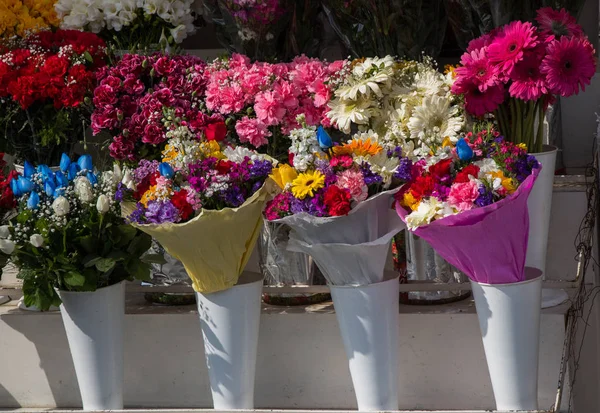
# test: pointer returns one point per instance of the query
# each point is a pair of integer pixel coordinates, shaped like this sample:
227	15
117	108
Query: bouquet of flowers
44	86
470	203
7	202
200	189
406	102
129	24
337	201
20	18
516	71
69	233
260	101
143	101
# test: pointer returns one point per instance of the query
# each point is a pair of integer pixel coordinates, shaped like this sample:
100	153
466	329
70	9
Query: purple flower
260	169
119	192
523	167
486	197
159	212
137	216
257	185
404	170
233	196
144	169
370	176
396	152
316	207
441	192
298	206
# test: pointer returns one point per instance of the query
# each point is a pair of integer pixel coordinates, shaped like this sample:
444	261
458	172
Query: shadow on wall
56	365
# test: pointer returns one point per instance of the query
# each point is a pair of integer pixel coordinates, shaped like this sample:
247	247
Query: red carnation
223	167
216	131
422	187
337	200
463	175
179	199
56	66
440	170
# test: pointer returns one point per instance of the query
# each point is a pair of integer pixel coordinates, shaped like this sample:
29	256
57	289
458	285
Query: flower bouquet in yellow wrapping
203	203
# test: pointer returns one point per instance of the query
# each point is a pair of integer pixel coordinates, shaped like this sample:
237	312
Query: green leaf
74	279
91	260
89	243
88	56
140	245
126	234
154	259
105	264
139	270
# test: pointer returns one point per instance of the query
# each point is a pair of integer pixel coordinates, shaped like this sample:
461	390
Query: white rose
83	189
128	180
4	232
61	206
103	204
36	240
7	246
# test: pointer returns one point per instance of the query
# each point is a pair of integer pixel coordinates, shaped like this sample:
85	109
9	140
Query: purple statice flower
486	197
260	169
159	212
316	207
441	192
137	216
233	196
404	171
522	167
144	169
298	206
323	166
119	193
257	185
370	177
396	152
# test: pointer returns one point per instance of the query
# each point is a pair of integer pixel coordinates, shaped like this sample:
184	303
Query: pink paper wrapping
488	244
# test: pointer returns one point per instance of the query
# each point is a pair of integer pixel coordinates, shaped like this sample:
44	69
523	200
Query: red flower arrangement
516	71
43	84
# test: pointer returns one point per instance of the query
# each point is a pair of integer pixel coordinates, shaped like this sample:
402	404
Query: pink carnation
354	182
288	93
269	107
253	131
463	195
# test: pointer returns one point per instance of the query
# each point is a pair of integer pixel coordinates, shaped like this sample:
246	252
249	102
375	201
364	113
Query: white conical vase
509	317
368	320
539	205
230	322
94	326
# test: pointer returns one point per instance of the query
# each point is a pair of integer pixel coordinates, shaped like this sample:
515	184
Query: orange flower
358	147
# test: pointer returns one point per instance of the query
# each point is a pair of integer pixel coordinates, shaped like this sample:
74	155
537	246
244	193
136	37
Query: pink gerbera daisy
507	49
477	68
558	23
528	82
568	65
479	103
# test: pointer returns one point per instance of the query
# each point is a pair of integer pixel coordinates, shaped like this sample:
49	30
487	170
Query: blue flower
72	172
25	185
28	170
61	179
324	139
85	162
44	170
65	161
92	178
14	187
58	192
49	187
465	153
166	170
33	201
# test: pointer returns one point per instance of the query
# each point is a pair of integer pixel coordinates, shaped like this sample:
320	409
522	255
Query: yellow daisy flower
307	183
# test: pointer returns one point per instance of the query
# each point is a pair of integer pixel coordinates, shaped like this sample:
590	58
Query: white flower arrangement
174	18
407	103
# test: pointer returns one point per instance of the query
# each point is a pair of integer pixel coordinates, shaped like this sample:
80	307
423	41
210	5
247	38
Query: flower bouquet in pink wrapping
470	203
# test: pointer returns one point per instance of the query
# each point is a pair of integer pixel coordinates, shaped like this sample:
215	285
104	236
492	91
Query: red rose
422	187
216	131
223	167
440	170
337	201
179	199
463	175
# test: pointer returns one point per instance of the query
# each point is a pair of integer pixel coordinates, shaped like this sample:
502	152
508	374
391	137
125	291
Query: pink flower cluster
135	98
266	98
526	62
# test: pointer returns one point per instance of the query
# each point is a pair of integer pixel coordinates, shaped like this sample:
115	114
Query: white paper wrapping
351	249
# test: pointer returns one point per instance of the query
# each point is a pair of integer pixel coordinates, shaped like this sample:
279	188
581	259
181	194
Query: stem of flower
540	132
513	119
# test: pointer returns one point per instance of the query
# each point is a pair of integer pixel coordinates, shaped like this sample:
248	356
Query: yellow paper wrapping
215	246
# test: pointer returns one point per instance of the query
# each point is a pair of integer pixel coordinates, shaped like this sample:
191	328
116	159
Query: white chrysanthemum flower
435	114
344	113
